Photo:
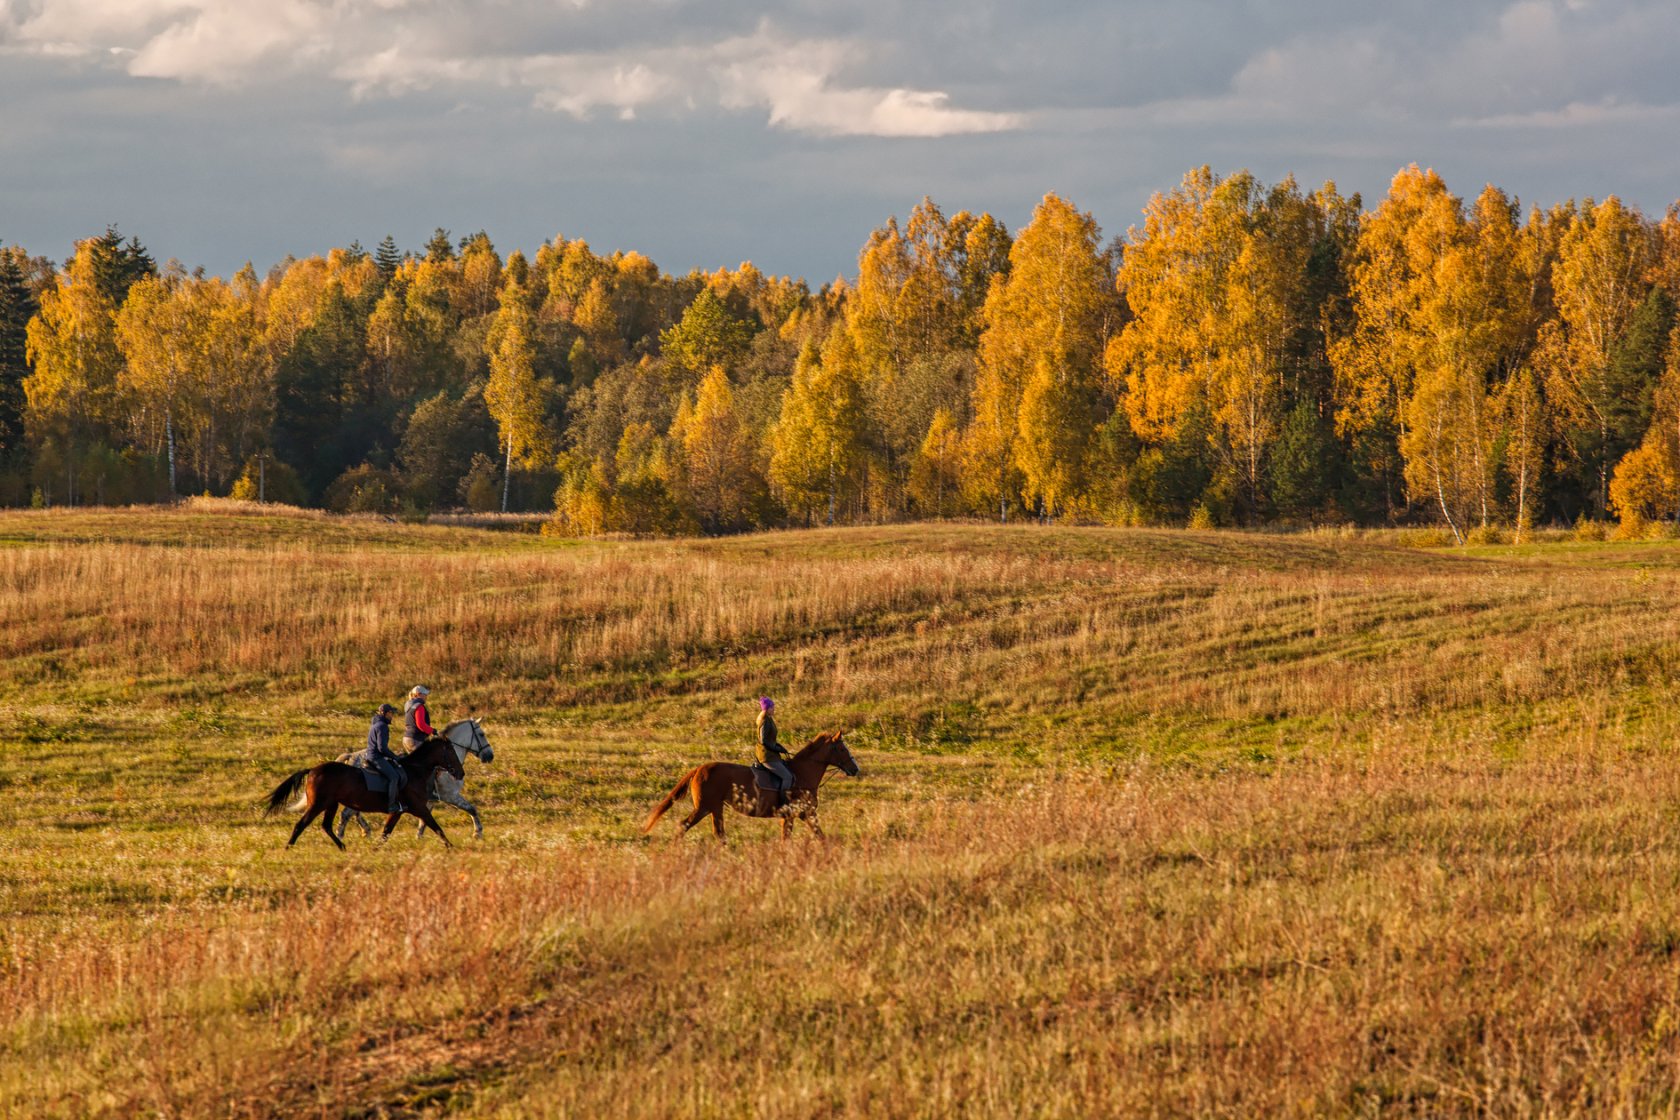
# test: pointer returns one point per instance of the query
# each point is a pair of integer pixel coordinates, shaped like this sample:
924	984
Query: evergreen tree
115	266
440	248
707	336
1303	464
17	307
443	437
387	259
313	431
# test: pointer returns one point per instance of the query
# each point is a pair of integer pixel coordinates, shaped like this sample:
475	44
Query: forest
1249	355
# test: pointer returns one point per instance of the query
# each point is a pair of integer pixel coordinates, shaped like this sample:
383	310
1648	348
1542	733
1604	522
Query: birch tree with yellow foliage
817	448
717	454
1038	398
74	360
1598	284
513	395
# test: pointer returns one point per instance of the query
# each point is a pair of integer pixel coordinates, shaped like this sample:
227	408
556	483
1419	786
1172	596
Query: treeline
1251	355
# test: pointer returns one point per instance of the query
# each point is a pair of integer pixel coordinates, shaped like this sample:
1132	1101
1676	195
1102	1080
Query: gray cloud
702	133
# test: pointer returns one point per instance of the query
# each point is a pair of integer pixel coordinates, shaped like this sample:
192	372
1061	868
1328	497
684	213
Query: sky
710	132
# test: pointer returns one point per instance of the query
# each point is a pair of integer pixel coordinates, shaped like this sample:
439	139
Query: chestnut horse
718	784
332	784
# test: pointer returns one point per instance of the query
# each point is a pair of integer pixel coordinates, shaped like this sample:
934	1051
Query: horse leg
693	819
304	822
327	825
426	818
717	823
787	828
471	810
390	824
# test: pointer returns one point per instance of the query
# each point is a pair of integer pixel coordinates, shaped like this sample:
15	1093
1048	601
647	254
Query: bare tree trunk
507	475
169	438
1522	501
831	490
1440	480
1441	496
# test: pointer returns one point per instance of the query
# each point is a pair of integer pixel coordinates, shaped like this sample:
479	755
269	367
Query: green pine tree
17	307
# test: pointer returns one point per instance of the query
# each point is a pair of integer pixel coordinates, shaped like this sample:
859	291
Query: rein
829	769
474	748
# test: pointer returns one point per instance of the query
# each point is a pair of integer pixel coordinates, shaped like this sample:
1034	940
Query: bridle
833	766
480	741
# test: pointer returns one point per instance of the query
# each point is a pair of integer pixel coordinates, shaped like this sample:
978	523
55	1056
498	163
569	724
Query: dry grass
1447	935
1151	822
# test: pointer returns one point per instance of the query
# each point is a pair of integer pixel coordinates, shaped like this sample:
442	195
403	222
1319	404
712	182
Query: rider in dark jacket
771	753
379	754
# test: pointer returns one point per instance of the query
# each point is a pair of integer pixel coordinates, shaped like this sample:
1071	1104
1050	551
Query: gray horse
467	737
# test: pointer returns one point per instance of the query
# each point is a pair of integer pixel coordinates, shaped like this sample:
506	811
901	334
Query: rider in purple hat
770	751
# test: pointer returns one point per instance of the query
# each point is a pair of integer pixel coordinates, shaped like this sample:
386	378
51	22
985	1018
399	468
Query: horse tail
664	806
284	791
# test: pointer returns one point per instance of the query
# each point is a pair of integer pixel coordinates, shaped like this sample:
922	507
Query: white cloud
796	83
91	25
614	86
396	47
222	43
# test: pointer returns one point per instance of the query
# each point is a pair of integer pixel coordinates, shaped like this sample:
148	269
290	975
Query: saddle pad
764	776
376	782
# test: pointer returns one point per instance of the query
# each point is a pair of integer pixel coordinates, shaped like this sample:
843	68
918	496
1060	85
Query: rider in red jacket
418	727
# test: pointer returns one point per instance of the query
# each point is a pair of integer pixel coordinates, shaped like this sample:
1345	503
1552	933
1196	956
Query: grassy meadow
1151	822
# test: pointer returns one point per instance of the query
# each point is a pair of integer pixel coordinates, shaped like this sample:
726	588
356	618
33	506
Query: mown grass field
1150	823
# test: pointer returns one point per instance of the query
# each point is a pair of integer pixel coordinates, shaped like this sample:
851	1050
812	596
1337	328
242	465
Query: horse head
469	736
439	753
837	754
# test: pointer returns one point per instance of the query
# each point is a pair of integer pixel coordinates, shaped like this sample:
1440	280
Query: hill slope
1202	822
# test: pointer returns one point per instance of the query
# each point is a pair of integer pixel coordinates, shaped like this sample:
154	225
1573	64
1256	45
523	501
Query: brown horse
718	784
332	784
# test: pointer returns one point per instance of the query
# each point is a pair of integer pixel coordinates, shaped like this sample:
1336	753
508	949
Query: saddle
771	794
376	782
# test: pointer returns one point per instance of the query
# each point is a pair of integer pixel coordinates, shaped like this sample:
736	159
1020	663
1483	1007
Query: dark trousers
779	768
394	774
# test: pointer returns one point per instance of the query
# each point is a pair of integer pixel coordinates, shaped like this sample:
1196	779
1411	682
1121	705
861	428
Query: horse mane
827	738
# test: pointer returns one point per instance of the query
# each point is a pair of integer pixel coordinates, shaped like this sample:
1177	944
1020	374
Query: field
1151	822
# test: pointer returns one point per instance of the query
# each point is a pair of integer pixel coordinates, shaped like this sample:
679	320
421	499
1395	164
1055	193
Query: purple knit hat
765	703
